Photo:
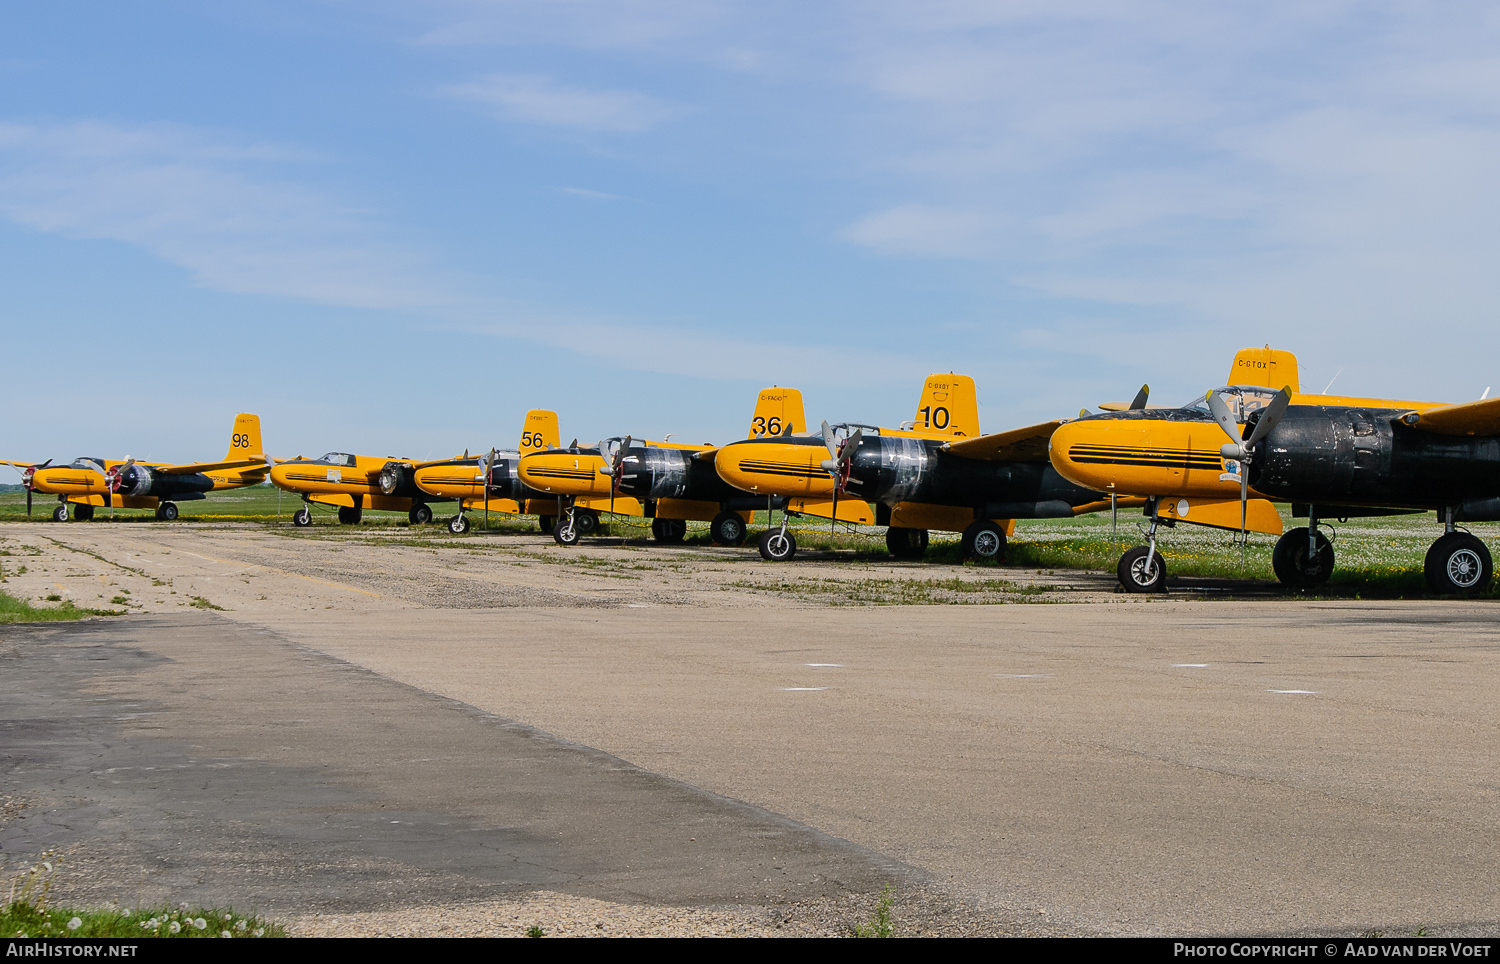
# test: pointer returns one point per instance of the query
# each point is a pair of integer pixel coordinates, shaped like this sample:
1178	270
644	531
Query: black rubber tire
348	516
167	512
776	547
668	531
587	521
1133	571
1458	564
84	513
60	514
302	517
459	524
566	532
728	529
906	543
420	514
983	541
546	523
1291	563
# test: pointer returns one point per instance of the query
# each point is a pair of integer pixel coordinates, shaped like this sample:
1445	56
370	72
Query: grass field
1378	557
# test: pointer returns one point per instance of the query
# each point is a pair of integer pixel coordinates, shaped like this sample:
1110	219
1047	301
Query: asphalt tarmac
1167	766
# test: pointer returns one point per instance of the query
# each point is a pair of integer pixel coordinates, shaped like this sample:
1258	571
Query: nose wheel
302	517
777	545
459	524
1142	569
60	514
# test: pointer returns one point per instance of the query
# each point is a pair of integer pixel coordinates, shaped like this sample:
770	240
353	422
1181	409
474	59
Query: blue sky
392	227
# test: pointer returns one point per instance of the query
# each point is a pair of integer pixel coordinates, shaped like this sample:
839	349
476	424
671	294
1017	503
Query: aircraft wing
207	467
1468	418
19	465
1027	444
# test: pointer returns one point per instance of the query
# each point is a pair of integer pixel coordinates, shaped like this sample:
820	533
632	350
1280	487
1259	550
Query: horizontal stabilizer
208	467
855	511
1260	515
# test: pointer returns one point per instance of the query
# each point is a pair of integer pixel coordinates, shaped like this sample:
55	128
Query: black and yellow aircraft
491	482
1217	460
90	483
936	472
669	483
353	483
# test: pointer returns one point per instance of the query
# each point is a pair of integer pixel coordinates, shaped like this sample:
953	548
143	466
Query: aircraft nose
1065	451
771	469
564	473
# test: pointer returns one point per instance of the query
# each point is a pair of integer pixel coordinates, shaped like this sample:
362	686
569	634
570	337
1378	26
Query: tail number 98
239	441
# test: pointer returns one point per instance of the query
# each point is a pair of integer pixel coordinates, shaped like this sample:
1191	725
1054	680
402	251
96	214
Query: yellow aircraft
90	483
464	479
353	483
669	483
935	472
1218	460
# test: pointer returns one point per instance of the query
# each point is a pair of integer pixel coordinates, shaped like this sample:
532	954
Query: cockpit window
845	429
338	458
1243	400
84	462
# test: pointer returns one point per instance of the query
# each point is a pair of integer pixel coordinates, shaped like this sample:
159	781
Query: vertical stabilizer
1268	367
244	439
778	411
539	432
948	407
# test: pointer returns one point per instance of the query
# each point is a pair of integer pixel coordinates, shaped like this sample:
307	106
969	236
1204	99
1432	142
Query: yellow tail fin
1268	367
948	406
244	439
539	432
778	411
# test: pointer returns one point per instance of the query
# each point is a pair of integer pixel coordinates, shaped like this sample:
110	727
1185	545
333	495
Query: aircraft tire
348	516
728	529
302	517
1136	575
420	514
588	522
84	513
459	524
1290	561
566	532
60	514
776	546
546	523
983	541
1458	564
668	531
167	512
906	543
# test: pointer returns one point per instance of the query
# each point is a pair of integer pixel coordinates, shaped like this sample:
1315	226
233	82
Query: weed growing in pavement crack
881	923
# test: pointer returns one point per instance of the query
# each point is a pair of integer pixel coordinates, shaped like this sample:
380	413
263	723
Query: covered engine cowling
1335	455
888	469
140	480
399	478
655	473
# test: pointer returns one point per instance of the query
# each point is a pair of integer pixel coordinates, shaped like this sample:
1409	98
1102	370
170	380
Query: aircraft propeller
26	481
1240	450
840	463
488	462
614	467
1139	402
112	481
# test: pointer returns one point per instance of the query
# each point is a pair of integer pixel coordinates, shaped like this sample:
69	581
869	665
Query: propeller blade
28	500
1139	402
828	440
1224	417
1269	417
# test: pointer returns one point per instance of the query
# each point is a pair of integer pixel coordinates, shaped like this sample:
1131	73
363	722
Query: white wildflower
240	926
200	923
225	934
75	923
260	932
174	928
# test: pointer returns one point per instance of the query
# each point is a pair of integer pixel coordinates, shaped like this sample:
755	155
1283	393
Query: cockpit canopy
1243	400
338	458
87	463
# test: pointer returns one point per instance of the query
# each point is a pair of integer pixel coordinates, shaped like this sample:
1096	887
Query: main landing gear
983	541
728	529
908	543
420	514
1458	563
1303	557
166	512
669	531
348	516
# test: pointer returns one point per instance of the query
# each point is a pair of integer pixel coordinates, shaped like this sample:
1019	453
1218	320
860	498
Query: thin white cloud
208	204
532	99
920	230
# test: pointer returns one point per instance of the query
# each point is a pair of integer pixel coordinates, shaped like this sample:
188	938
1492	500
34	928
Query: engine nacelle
655	473
399	478
141	480
1339	456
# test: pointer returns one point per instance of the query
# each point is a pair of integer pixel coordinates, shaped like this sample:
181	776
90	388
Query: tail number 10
933	417
238	441
760	426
